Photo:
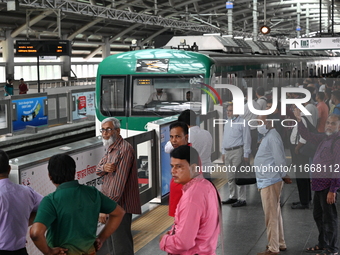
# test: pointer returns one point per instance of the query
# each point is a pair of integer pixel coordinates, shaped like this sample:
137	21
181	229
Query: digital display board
144	82
43	48
152	65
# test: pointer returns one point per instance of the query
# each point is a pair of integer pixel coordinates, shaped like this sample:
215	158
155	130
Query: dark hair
4	162
181	125
61	168
188	117
260	91
321	95
185	152
336	94
333	115
311	89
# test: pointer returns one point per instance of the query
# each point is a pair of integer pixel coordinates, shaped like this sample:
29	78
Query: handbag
244	175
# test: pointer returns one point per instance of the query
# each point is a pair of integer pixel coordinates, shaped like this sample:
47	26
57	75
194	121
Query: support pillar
307	21
298	21
106	48
8	54
255	26
66	63
230	21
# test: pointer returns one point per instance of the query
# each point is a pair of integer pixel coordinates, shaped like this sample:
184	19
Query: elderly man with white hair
120	182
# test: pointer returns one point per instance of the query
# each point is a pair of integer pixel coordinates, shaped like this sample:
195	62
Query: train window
113	96
299	73
165	95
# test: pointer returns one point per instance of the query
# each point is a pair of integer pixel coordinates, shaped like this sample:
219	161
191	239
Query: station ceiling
90	23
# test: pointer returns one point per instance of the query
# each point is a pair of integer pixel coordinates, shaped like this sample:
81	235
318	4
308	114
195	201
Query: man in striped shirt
120	182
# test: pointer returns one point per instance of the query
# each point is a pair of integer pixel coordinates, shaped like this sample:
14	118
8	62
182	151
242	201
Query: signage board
315	43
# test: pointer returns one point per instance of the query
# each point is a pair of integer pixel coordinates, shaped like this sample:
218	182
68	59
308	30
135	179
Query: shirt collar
5	180
192	182
332	136
70	184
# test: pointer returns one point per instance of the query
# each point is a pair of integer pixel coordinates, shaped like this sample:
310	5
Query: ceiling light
265	30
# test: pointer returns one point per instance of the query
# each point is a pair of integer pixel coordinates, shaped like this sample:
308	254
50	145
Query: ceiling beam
31	22
82	29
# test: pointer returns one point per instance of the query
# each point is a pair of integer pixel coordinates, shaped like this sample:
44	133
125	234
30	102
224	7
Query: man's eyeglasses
103	130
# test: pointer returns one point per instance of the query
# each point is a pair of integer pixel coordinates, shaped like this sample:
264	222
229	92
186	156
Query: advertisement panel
84	105
30	111
37	178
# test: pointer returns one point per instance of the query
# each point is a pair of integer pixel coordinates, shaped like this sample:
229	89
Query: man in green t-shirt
70	214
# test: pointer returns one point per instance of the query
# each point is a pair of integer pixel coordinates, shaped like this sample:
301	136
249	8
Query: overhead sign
324	43
43	48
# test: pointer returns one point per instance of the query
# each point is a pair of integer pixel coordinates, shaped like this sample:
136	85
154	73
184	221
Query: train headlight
265	30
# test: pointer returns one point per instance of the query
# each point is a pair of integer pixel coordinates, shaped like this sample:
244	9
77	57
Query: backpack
309	148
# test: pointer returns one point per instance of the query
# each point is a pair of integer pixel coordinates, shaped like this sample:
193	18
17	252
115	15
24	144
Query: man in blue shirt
336	101
270	174
235	148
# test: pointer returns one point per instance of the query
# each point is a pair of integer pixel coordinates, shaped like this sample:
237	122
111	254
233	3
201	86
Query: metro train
125	81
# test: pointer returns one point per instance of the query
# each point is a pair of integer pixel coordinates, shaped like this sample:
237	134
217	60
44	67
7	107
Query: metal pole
38	70
332	17
307	21
298	20
320	17
230	21
265	12
255	27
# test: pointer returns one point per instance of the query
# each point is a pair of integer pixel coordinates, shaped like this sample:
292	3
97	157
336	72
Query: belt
234	148
22	251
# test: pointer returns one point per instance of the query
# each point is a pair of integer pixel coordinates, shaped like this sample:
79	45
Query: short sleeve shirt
71	216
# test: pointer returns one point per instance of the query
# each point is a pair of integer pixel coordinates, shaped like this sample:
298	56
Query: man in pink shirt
322	110
197	226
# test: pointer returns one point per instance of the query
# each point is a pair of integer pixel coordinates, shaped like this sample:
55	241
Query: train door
270	81
113	100
225	93
259	80
279	77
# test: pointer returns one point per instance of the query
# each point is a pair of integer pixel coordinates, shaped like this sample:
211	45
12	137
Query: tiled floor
244	230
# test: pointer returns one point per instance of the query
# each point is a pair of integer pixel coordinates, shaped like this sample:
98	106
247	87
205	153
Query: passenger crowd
65	221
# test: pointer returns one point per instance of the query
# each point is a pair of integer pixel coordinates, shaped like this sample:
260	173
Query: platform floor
244	231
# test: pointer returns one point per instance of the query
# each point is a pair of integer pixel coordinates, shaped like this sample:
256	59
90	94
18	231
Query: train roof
165	61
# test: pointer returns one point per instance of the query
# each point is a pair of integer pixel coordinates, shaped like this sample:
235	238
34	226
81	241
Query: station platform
34	139
244	231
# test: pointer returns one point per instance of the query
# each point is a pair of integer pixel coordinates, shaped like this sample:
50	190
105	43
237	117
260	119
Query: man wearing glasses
120	182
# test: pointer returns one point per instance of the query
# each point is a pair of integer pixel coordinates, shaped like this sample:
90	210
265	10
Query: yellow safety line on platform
150	225
156	222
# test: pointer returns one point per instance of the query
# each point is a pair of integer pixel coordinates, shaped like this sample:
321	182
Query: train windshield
165	95
113	96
